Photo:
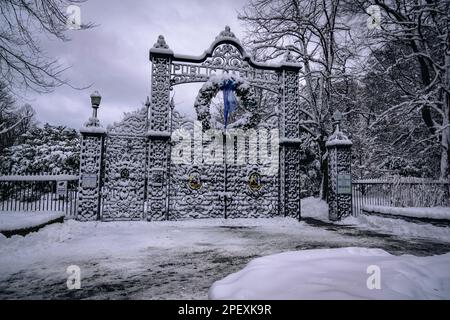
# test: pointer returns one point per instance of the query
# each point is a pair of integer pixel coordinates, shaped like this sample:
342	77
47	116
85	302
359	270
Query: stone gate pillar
91	165
339	172
290	185
159	131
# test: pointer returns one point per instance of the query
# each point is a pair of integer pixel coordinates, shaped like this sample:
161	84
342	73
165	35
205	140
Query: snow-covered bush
50	149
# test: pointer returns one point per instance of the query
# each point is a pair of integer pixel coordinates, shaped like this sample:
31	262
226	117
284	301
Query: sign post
339	172
344	184
61	189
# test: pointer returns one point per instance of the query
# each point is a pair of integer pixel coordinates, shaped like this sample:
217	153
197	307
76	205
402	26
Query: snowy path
167	260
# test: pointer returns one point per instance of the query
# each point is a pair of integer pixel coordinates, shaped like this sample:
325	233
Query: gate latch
226	196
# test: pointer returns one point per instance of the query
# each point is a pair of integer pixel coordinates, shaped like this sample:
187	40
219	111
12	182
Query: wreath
215	84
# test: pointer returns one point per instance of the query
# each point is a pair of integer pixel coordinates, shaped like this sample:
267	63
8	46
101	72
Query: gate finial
288	57
161	43
226	33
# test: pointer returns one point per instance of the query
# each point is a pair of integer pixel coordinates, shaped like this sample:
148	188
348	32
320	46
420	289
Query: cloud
113	57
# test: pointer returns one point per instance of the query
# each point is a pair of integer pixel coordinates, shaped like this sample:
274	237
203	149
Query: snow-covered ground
317	209
140	260
23	220
414	212
344	273
398	227
314	208
180	259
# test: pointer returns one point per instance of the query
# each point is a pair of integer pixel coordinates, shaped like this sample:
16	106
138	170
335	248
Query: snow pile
344	273
24	220
52	149
92	129
314	208
414	212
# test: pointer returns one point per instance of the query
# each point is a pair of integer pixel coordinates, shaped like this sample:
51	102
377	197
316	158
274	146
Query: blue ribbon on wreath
229	100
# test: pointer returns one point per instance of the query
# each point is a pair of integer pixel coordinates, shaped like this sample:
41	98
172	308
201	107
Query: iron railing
412	192
41	193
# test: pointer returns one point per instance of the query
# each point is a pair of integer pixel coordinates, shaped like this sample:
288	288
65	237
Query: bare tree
23	64
318	34
333	41
14	121
422	29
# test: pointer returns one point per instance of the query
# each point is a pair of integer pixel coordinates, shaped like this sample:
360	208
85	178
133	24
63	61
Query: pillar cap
338	138
289	62
93	130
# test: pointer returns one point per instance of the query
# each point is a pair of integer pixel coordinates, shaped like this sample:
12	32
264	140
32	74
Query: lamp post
96	98
337	118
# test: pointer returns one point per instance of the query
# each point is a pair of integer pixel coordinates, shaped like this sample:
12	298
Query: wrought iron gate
127	171
123	190
229	188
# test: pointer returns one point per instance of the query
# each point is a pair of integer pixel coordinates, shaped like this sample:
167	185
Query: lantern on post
91	165
337	118
96	98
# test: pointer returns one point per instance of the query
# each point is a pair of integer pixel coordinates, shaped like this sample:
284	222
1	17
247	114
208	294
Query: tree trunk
445	134
323	170
445	137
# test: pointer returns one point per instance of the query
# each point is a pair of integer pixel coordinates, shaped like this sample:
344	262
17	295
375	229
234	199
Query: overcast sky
114	55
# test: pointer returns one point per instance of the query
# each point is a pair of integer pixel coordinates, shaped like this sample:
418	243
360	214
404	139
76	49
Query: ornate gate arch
225	55
127	172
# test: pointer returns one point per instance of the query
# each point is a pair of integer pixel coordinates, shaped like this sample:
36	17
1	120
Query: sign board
61	188
344	184
89	181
